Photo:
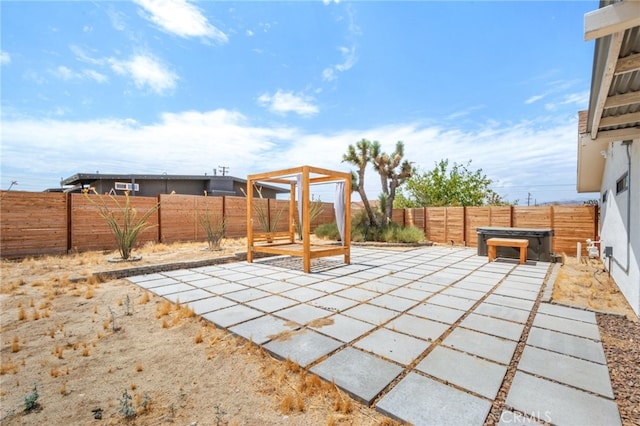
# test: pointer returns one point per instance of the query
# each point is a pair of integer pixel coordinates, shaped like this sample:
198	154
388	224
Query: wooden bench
494	243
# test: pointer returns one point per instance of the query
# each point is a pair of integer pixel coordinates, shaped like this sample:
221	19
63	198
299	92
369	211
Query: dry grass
15	344
272	385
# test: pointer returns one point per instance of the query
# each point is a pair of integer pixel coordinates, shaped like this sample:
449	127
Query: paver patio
425	335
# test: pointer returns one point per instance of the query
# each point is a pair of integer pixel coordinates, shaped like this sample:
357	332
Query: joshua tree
360	156
393	173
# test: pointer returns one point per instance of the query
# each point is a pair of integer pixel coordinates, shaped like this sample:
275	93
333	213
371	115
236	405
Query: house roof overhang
614	101
79	179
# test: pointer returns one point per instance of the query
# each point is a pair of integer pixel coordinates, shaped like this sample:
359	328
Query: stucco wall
625	263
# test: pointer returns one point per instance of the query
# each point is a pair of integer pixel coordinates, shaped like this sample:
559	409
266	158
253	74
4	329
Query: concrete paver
304	347
360	374
371	313
389	309
419	327
502	312
561	368
344	328
565	312
261	329
578	347
467	371
234	314
392	345
433	403
560	405
490	347
388	301
493	326
303	314
437	312
569	326
209	304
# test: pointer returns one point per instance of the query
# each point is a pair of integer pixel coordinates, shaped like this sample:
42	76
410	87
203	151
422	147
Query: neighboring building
152	185
609	139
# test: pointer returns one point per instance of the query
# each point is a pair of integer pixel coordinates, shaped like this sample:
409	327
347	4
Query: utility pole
223	170
528	198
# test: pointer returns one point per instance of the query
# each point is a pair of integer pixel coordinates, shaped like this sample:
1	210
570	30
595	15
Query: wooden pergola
284	243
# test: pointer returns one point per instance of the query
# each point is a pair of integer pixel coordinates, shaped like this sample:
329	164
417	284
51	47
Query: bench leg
523	255
492	253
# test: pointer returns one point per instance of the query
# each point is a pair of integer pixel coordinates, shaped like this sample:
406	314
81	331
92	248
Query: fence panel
181	215
532	217
33	223
89	231
415	217
476	217
235	213
573	224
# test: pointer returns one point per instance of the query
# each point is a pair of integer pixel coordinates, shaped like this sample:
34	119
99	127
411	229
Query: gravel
621	343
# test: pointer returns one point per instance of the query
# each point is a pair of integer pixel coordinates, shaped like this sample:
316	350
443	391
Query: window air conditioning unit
127	186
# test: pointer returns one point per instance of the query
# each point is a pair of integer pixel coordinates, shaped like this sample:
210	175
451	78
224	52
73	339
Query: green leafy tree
444	186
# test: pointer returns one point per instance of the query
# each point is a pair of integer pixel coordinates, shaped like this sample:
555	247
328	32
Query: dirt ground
78	351
584	283
111	349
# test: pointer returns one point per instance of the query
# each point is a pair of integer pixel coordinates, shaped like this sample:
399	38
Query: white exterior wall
625	263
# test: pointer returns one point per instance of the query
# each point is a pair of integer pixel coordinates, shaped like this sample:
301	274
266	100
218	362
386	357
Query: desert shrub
214	227
395	233
122	220
31	399
328	231
361	231
410	234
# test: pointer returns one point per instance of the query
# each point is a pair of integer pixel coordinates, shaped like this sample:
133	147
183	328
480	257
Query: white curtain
299	195
338	207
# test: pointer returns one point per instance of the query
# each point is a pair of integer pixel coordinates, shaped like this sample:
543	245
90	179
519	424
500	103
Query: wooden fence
458	225
37	223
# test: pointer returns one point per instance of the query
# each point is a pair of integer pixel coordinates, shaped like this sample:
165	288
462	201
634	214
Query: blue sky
184	87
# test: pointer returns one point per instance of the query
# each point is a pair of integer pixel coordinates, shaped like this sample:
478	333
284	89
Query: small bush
31	399
410	234
328	231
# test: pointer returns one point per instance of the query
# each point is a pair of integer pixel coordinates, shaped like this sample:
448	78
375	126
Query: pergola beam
611	19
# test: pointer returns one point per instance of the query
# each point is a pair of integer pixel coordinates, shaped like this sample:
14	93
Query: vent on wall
126	186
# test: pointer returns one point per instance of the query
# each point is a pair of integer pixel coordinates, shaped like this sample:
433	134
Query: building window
622	184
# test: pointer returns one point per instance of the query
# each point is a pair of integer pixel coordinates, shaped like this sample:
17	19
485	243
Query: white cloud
5	58
284	102
181	18
117	18
349	59
521	157
67	74
146	71
95	75
249	33
533	99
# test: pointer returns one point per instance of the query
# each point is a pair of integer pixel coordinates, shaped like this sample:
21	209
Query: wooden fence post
159	213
